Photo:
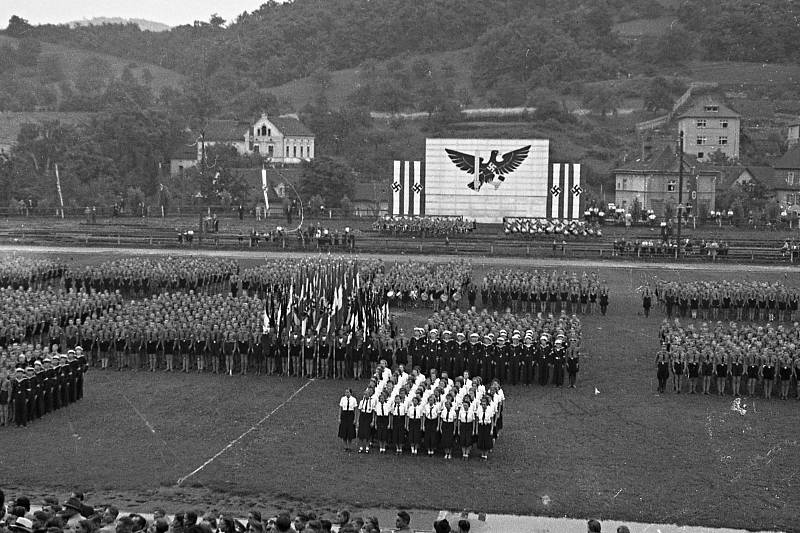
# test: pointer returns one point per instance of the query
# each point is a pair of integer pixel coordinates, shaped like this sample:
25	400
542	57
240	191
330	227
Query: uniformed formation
728	300
142	276
434	285
727	355
544	291
550	227
39	383
513	349
414	412
423	226
29	273
50	316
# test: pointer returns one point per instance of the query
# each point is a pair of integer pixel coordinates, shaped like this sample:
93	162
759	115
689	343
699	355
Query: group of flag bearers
414	411
39	387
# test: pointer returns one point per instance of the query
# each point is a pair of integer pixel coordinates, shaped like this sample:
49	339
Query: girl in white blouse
397	423
447	419
347	417
465	427
484	422
414	425
431	414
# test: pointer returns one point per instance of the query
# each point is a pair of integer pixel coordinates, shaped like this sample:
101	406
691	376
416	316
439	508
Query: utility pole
680	191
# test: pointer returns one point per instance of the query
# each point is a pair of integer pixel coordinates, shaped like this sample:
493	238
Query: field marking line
232	443
146	422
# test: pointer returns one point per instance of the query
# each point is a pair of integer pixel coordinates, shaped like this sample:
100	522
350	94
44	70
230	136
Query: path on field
389	257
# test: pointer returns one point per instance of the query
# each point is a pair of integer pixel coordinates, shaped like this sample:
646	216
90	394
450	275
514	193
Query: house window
270	150
671	186
723	123
701	123
790	198
263	130
723	140
701	139
790	178
287	152
711	108
256	148
295	152
269	133
701	155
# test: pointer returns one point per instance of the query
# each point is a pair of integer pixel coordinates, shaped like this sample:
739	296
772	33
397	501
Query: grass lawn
624	452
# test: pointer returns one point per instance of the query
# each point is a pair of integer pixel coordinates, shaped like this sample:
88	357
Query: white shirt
484	415
383	409
366	405
348	404
466	416
415	412
399	410
448	414
430	411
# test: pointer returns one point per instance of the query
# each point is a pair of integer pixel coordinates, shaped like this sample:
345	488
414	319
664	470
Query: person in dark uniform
662	370
515	358
707	369
559	355
500	362
603	299
474	351
752	360
20	392
693	370
737	370
572	365
487	356
647	300
678	368
528	358
543	359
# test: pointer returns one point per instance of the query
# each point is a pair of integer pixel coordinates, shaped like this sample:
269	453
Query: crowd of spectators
433	285
424	226
75	514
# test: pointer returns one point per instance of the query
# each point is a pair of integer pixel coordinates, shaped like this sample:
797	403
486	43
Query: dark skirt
414	431
485	437
382	429
465	434
398	430
347	427
431	436
364	425
447	435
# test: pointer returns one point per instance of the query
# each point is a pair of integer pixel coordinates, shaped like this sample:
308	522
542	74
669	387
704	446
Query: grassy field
610	448
71	59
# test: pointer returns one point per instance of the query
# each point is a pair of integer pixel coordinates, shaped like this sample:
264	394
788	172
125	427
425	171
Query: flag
408	189
564	191
264	186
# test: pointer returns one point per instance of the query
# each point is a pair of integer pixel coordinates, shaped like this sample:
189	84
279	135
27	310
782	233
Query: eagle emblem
491	169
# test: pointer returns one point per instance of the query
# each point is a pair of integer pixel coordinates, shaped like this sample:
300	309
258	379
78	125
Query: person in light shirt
347	426
364	430
431	415
414	424
381	411
447	419
465	427
397	424
484	422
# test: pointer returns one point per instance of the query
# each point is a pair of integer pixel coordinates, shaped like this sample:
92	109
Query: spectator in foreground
593	526
463	526
403	522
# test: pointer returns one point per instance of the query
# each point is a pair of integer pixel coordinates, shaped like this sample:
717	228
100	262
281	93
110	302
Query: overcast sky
173	12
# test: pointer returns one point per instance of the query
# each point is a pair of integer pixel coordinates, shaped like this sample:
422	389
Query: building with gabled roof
654	182
708	126
283	140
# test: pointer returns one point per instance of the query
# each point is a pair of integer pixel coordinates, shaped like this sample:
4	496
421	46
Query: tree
18	26
28	51
602	100
93	75
658	95
327	178
216	21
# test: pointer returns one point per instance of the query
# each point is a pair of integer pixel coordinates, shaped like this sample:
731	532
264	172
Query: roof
291	127
664	161
225	130
185	152
763	175
790	159
698	110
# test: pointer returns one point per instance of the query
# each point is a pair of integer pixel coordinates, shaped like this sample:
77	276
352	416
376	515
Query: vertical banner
264	187
396	188
419	170
417	189
406	188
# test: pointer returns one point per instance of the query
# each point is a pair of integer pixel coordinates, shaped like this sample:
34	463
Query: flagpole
58	186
